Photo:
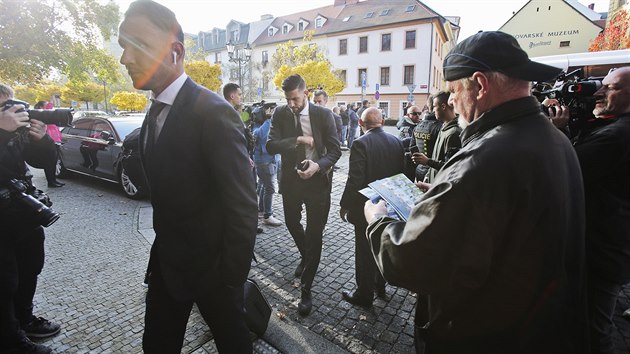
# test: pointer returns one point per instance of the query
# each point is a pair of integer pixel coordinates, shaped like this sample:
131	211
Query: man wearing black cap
496	244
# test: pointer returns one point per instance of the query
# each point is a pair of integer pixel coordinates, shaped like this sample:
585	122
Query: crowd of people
519	244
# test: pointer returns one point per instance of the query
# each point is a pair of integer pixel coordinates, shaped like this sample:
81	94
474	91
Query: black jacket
604	155
203	195
283	137
497	243
373	156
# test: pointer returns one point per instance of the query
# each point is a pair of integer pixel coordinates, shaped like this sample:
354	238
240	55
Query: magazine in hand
400	194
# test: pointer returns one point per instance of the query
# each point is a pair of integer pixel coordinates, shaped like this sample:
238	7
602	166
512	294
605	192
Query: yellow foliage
205	74
129	101
317	74
37	92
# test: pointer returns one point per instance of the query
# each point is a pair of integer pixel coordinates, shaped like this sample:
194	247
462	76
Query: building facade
389	52
546	27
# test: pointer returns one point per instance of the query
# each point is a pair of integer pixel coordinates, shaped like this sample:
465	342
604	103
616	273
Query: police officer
22	242
424	136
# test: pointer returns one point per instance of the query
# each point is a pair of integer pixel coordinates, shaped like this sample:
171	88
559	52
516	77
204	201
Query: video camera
36	206
61	117
576	93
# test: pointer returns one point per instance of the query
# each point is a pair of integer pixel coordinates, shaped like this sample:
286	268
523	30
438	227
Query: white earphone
174	57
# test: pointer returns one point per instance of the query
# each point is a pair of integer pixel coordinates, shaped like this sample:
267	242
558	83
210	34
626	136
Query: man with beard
495	247
306	137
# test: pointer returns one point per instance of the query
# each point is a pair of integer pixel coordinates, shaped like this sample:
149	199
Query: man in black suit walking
205	228
306	137
373	156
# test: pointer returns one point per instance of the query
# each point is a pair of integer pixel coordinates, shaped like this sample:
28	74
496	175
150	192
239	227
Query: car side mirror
105	135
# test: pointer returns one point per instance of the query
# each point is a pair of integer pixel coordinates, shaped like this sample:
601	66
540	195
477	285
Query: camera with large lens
34	206
61	117
576	93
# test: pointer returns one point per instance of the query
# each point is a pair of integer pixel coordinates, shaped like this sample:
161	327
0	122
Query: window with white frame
363	44
408	74
285	29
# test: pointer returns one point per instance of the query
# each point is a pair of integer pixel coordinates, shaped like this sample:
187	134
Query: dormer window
270	32
410	8
300	26
346	19
319	21
385	12
285	29
369	15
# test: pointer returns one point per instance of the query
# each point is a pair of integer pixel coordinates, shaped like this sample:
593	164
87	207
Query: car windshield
124	127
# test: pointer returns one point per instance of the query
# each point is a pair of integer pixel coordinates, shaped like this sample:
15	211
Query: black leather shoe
381	294
356	300
306	304
259	230
40	327
55	184
300	269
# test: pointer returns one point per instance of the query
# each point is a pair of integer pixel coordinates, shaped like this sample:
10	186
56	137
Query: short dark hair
293	82
441	97
320	93
40	105
365	102
228	89
161	16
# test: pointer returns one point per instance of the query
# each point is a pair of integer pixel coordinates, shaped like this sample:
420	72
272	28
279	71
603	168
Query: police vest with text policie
425	134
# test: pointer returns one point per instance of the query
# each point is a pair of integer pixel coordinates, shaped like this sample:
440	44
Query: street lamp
241	56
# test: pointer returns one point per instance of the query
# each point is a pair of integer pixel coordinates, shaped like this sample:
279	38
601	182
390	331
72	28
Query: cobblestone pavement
96	259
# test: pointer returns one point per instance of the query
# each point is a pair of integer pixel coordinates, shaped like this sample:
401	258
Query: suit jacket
373	156
203	194
283	137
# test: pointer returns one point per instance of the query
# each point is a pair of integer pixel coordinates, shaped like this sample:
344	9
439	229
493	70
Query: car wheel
129	188
60	170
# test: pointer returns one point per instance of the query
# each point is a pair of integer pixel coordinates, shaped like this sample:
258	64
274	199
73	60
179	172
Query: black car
93	146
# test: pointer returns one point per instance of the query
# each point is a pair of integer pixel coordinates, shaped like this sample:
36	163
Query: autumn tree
193	53
317	74
129	101
39	37
82	91
205	74
308	60
43	91
291	55
615	36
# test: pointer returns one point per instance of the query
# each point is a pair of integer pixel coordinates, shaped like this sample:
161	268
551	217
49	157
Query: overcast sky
203	15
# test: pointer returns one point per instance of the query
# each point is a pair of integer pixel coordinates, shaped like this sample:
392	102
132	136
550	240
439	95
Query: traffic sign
377	95
378	87
410	98
363	80
411	88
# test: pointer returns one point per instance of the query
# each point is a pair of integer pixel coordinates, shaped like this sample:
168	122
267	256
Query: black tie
154	111
300	149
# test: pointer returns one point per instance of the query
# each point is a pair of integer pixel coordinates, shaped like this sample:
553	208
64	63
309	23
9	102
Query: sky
203	15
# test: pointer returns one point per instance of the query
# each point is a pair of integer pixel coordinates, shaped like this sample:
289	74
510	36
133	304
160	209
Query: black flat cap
494	51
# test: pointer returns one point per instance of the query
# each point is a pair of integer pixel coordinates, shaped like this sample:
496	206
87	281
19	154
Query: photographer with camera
22	215
604	153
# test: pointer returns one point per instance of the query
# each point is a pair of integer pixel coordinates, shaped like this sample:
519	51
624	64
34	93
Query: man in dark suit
306	137
373	156
206	226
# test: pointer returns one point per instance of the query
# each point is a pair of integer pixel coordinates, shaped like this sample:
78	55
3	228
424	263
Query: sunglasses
415	113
